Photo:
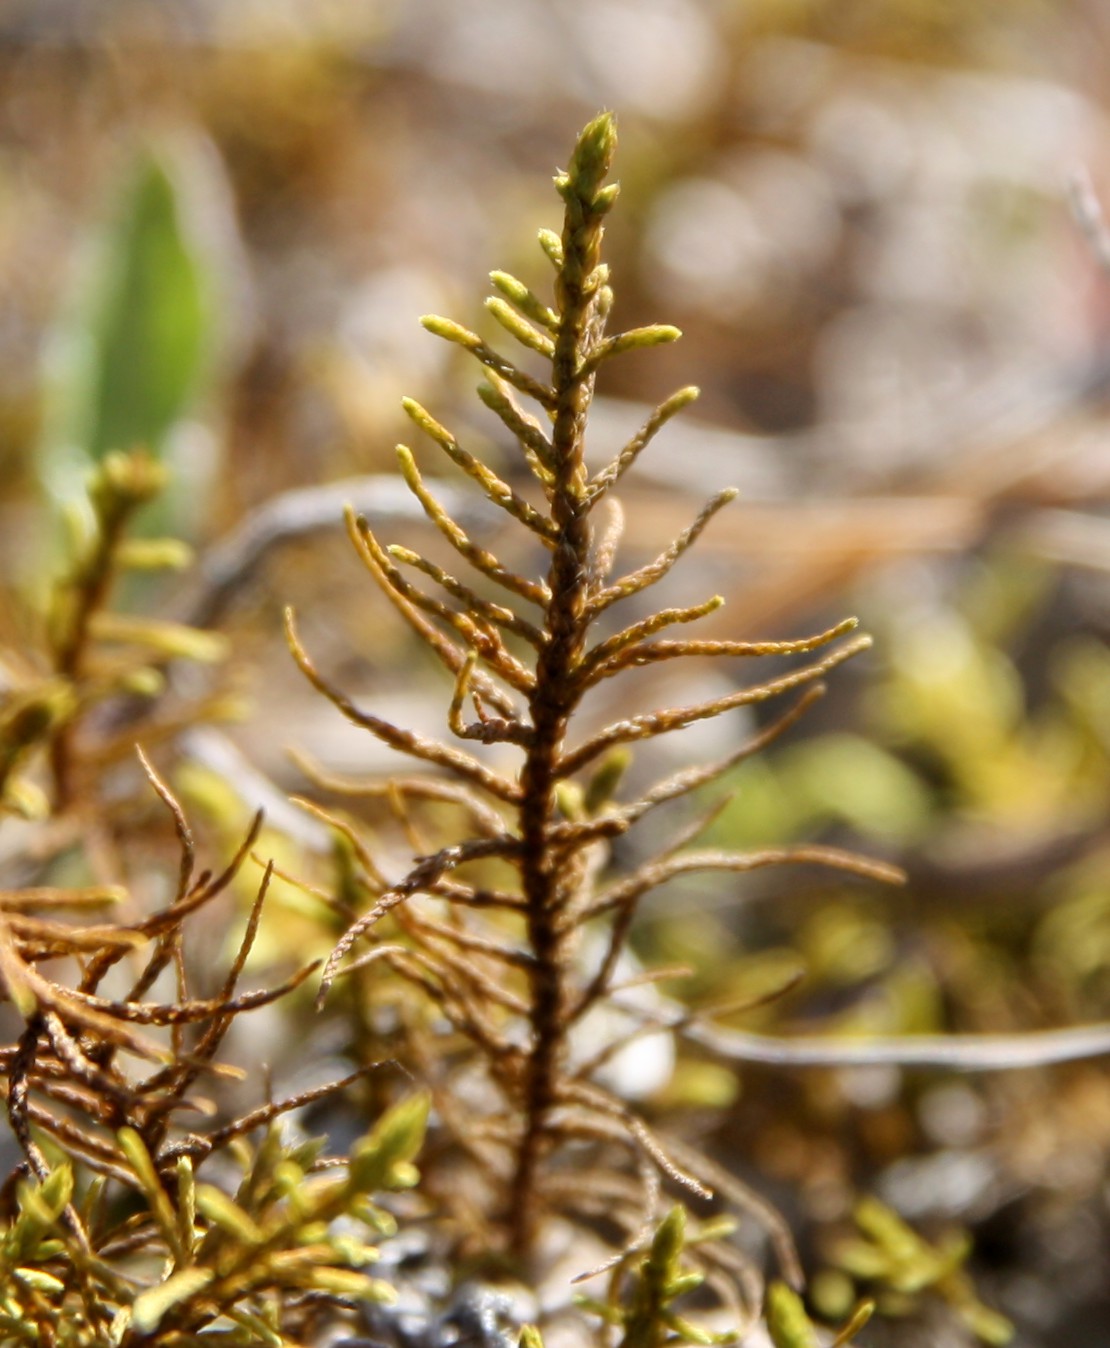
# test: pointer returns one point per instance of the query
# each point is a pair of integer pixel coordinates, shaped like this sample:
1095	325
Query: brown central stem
541	882
547	879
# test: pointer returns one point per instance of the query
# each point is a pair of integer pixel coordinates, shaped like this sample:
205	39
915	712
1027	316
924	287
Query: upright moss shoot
504	963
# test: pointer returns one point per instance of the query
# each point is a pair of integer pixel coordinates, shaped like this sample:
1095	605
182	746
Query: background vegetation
218	228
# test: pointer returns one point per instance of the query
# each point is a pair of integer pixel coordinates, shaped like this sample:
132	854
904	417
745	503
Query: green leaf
39	1209
384	1158
516	292
225	1213
255	1325
150	1306
855	1322
986	1324
40	1281
602	785
154	554
186	1204
150	330
134	1148
347	1282
57	1189
137	338
552	245
787	1321
175	641
668	1242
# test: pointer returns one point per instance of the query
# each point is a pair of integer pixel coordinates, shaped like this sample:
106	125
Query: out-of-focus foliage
137	337
644	1283
856	213
95	655
106	1236
893	1260
147	325
790	1327
216	1268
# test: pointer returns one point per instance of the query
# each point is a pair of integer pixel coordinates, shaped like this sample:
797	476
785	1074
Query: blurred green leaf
137	337
150	1306
787	1322
848	779
149	326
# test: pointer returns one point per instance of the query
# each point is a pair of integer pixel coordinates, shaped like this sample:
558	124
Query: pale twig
479	945
611	647
473	602
955	1052
492	360
483	816
180	823
1088	212
465	1016
608	538
372	875
500	493
487	729
728	1186
528	432
958	1052
593	1098
652	652
577	834
445	649
229	566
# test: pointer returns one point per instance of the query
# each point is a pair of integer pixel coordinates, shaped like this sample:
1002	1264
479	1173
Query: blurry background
219	223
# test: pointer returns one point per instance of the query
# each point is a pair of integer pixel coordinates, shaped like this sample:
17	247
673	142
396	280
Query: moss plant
898	1267
94	653
645	1284
503	962
110	1232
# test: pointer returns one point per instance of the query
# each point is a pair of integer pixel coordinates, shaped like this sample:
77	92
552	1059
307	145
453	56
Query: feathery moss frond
513	990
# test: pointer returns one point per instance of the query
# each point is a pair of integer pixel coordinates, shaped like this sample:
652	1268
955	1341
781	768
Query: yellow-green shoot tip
593	154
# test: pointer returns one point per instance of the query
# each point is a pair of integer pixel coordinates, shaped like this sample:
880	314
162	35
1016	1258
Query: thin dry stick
958	1052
